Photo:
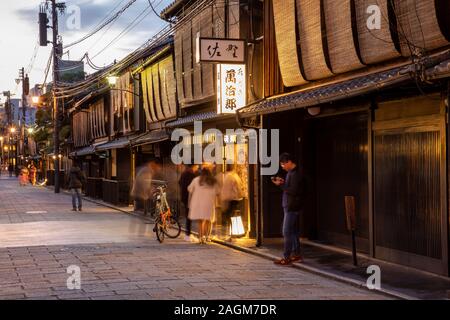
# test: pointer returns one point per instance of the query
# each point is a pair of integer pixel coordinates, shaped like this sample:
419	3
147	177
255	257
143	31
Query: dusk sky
19	34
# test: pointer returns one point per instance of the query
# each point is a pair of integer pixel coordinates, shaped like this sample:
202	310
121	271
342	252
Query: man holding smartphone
292	202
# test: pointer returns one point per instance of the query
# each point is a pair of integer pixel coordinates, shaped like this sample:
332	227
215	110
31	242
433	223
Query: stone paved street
119	258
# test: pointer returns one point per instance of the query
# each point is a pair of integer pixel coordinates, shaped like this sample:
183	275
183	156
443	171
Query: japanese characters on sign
231	88
222	50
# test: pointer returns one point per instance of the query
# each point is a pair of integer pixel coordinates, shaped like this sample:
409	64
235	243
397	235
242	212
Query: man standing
76	182
292	202
189	173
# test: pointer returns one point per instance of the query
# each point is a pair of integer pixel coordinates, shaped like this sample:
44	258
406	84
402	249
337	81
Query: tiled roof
193	117
83	152
333	92
150	137
114	144
172	8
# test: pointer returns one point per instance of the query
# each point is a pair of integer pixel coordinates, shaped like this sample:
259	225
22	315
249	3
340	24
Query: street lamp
12	130
30	130
112	81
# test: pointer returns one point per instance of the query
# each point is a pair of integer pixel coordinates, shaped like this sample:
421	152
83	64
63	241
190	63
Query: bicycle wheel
159	230
172	228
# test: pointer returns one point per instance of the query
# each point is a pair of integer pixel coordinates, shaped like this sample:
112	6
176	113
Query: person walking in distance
203	192
77	180
292	202
10	170
33	171
189	174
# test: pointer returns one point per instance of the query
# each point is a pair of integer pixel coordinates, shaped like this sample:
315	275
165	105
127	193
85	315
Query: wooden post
351	224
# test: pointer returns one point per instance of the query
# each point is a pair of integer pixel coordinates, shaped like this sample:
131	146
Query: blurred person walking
23	176
203	192
142	186
189	174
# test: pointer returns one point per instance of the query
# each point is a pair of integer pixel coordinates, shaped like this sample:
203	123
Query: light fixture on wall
314	111
112	80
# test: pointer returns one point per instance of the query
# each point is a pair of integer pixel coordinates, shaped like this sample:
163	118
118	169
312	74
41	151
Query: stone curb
267	256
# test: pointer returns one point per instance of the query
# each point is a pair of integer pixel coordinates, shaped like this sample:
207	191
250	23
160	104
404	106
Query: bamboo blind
418	25
233	16
208	77
81	128
168	87
195	82
98	121
310	31
285	24
151	95
160	98
375	45
218	10
341	43
197	75
148	116
178	47
187	62
157	93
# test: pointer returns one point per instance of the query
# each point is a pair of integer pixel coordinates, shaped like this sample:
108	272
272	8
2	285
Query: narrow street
119	258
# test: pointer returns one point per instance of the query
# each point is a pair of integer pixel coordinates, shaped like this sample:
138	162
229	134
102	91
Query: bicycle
166	223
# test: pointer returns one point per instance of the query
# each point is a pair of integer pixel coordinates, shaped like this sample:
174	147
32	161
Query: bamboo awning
285	34
376	45
311	35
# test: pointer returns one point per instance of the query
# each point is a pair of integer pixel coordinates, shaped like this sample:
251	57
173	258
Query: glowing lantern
237	226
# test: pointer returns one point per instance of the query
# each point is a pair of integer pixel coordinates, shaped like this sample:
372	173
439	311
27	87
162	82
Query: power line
104	24
137	54
125	31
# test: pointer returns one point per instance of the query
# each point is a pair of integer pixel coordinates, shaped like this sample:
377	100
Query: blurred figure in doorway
232	194
189	174
203	191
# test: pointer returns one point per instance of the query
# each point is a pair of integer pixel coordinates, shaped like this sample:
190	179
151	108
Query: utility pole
55	100
24	105
25	91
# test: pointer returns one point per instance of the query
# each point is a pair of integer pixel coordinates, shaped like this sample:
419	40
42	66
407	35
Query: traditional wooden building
359	92
197	83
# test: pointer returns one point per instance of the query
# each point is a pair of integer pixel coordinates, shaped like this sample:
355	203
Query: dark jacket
76	178
185	180
294	190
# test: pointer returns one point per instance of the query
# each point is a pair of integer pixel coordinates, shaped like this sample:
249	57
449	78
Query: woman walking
203	192
33	174
23	179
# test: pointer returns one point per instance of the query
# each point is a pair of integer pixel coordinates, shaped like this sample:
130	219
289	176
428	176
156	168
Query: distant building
16	113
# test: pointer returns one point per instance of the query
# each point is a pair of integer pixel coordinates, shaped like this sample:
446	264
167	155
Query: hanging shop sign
220	50
231	88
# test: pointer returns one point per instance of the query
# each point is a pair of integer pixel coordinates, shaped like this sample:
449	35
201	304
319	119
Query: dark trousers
291	233
76	195
188	221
